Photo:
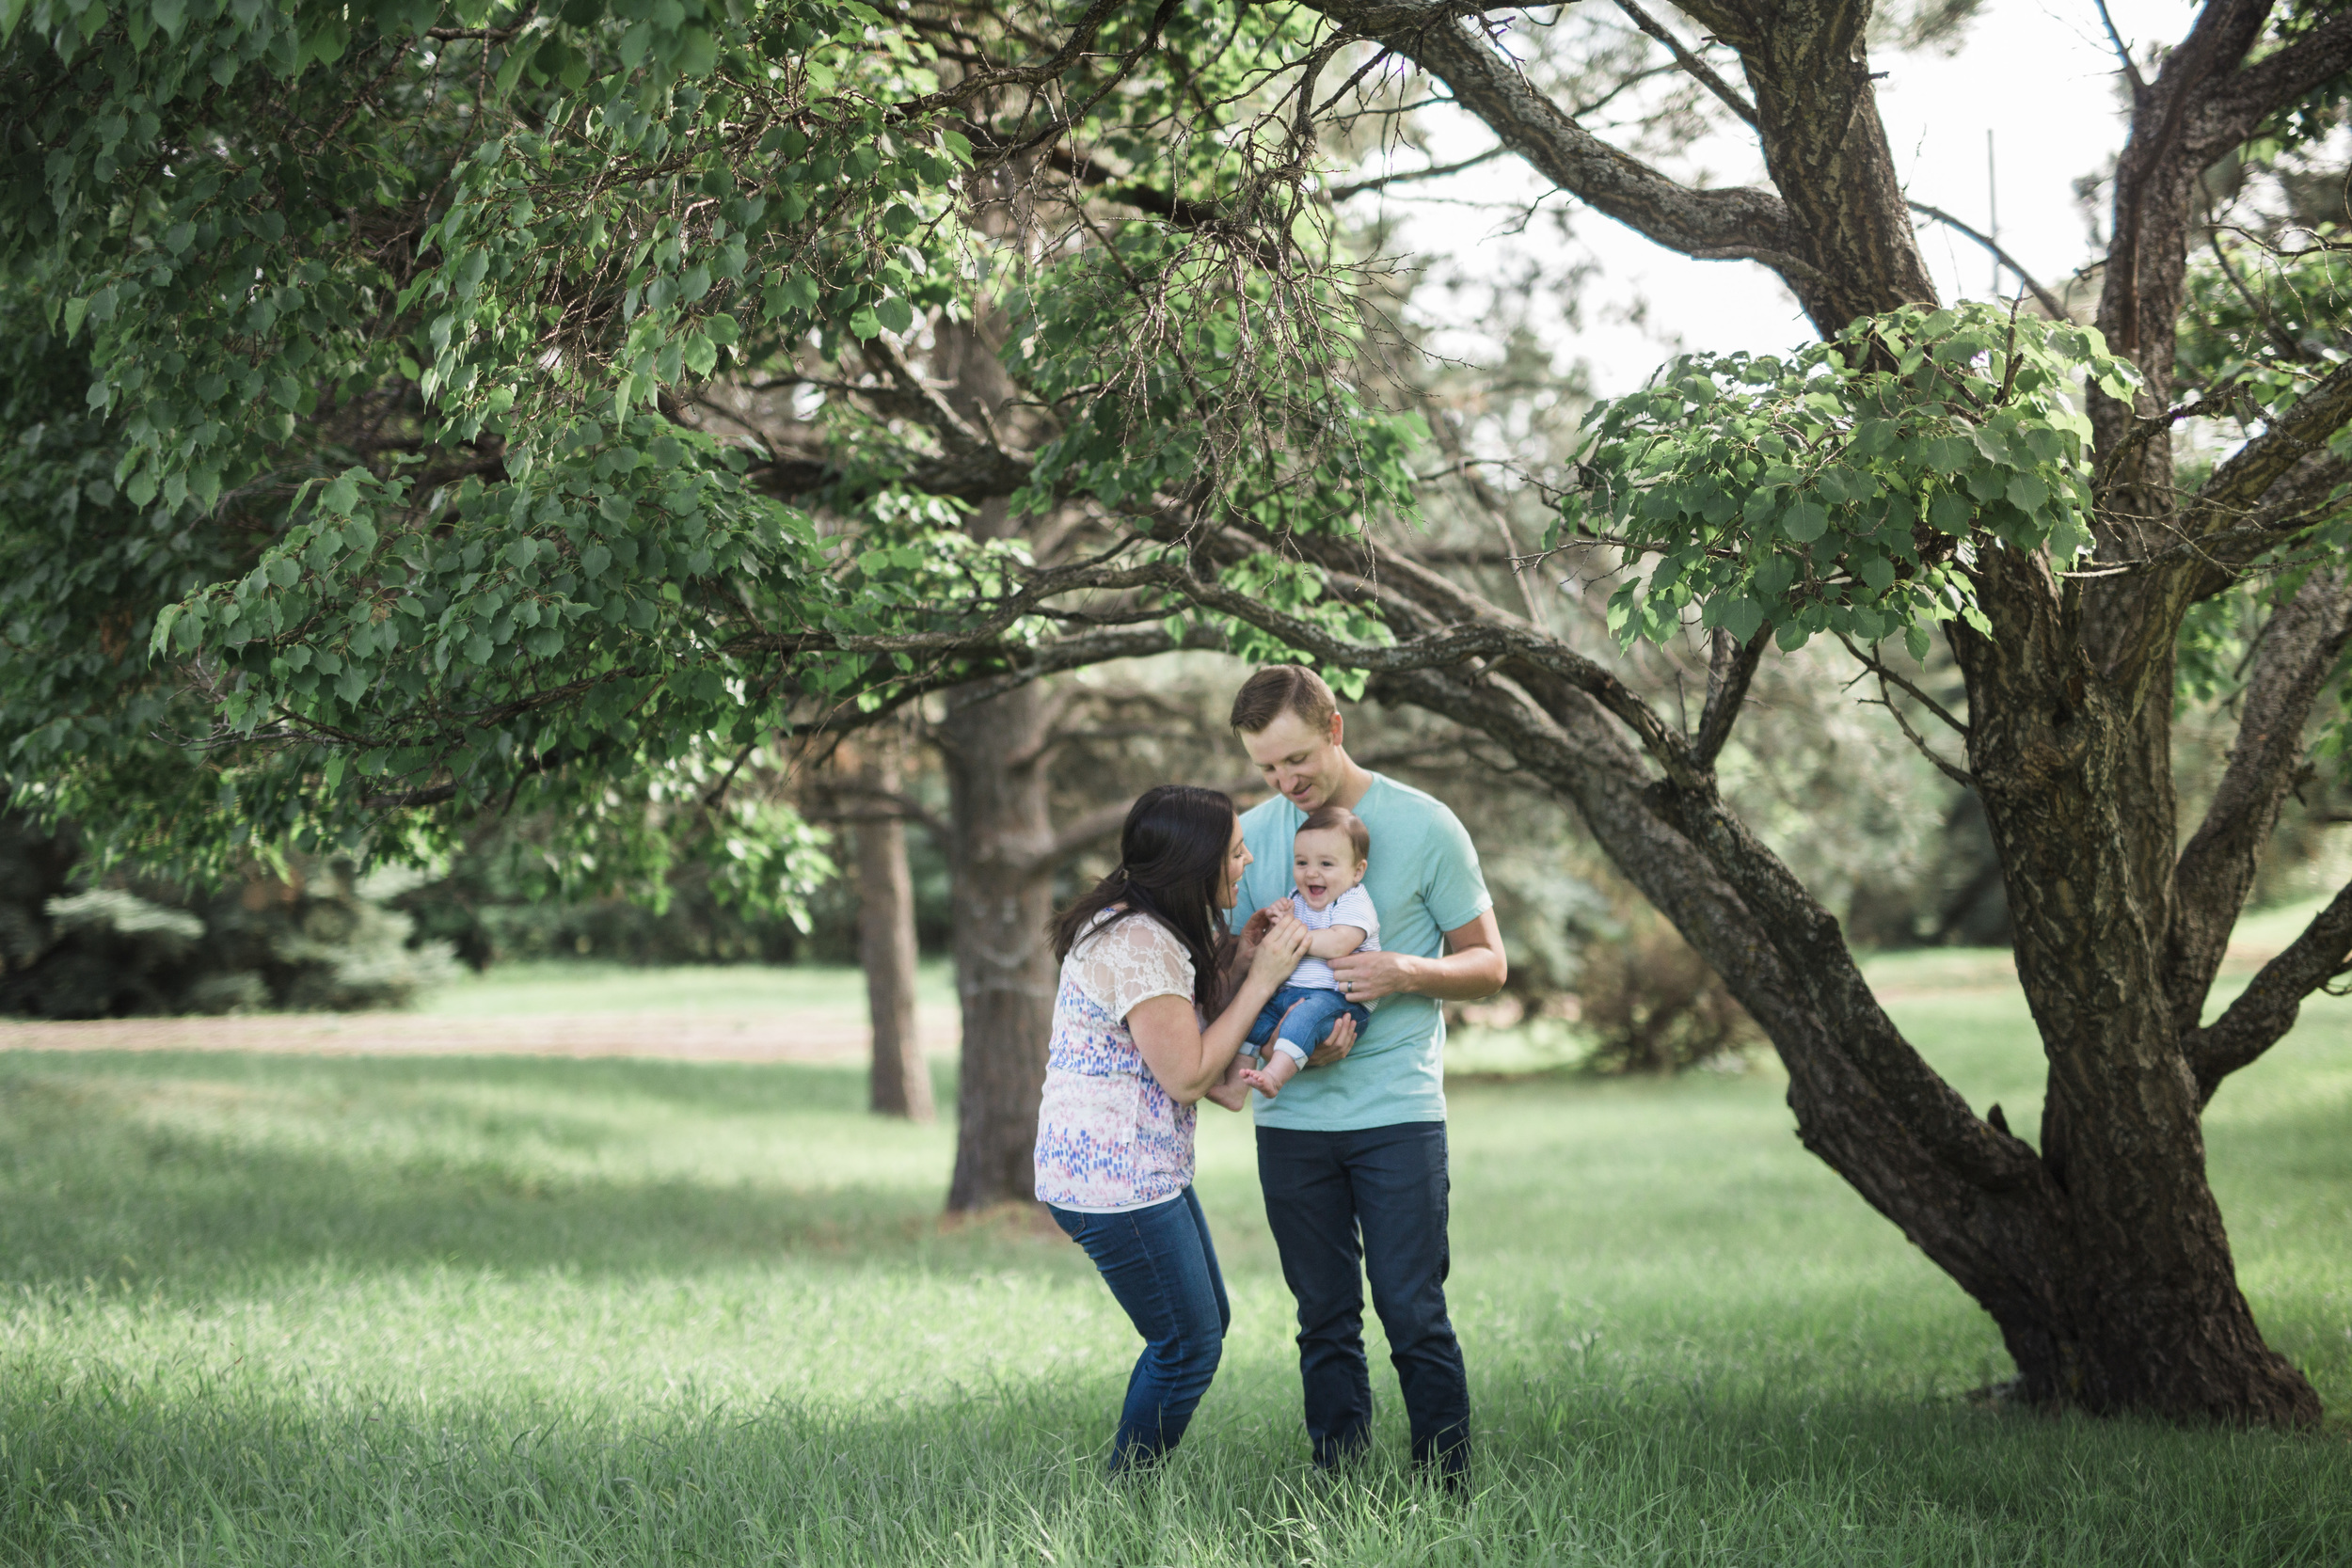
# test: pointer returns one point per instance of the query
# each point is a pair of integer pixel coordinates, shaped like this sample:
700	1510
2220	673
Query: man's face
1304	767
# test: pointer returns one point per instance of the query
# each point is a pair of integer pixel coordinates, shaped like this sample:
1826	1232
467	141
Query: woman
1129	1058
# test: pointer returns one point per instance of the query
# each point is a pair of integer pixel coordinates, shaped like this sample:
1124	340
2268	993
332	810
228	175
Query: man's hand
1473	967
1368	976
1337	1044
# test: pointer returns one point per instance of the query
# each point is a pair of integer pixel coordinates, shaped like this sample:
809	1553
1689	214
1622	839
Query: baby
1327	859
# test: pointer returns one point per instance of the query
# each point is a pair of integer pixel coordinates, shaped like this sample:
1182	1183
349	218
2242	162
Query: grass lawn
320	1310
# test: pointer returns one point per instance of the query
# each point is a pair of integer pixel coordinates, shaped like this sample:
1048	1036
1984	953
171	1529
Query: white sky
2039	73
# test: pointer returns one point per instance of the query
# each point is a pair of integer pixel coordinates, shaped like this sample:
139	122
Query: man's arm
1473	967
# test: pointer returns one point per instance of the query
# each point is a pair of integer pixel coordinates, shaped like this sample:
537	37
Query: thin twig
1733	99
2049	301
1877	667
2131	71
1356	188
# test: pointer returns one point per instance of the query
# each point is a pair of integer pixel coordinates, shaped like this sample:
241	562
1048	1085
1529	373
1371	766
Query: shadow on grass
205	1171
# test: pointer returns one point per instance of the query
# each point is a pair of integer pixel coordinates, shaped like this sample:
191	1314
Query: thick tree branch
1730	665
2240	484
2234	106
1712	224
2267	1007
1456	644
903	808
2298	652
2158	160
1865	1099
1090	828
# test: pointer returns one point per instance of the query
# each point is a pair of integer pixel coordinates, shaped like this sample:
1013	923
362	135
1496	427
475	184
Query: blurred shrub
500	901
1651	1003
307	941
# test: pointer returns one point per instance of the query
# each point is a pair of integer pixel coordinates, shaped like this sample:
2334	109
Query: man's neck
1353	784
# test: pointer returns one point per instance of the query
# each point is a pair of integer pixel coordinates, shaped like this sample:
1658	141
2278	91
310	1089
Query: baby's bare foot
1261	1082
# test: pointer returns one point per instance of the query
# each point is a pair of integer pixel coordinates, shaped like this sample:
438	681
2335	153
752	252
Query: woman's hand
1254	929
1278	952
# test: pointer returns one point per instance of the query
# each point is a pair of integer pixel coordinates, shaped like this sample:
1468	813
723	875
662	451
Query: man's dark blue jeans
1303	1015
1161	1268
1369	1204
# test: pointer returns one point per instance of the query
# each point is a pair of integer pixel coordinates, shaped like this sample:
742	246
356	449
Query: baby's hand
1282	908
1260	1082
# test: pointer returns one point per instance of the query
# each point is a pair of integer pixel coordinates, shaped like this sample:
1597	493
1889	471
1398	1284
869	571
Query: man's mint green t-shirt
1424	877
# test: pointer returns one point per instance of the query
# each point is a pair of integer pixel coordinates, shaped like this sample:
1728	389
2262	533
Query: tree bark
1001	856
899	1083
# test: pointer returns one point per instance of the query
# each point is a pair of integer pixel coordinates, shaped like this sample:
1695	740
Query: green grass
520	1310
519	990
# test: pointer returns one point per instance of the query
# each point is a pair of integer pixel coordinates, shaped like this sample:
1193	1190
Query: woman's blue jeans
1161	1268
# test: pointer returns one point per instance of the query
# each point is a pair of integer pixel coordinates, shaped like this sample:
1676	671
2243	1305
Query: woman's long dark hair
1172	866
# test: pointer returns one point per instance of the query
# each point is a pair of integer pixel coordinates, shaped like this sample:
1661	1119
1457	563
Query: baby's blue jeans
1298	1018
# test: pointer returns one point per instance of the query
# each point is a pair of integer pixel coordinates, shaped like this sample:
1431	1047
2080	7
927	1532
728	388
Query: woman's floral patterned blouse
1108	1137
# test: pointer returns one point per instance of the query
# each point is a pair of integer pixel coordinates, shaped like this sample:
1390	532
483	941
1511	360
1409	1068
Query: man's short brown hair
1281	688
1323	819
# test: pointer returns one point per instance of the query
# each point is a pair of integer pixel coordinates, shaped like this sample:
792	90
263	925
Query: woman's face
1238	859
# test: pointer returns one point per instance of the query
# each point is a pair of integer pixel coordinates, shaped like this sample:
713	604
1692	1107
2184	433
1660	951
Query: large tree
408	342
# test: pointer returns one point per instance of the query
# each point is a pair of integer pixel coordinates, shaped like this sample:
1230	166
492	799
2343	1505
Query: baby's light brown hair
1324	819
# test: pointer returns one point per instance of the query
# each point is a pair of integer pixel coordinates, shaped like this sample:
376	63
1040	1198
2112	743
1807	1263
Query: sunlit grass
326	1310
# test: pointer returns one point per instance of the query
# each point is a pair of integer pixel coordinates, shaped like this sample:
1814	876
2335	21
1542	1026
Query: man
1358	1150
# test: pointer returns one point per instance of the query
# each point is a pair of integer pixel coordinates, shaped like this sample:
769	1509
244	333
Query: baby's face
1324	864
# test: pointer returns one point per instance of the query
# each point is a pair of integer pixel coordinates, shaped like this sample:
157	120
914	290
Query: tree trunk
2131	1302
899	1084
995	750
1002	831
2103	1262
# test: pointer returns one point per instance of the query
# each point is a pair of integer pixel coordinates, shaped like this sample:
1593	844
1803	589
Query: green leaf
863	325
698	51
1948	512
894	314
1916	639
1805	521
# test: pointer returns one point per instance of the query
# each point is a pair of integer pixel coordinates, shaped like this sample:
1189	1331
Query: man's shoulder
1400	800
